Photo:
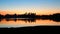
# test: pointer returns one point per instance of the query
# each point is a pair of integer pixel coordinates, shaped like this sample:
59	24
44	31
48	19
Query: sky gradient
37	6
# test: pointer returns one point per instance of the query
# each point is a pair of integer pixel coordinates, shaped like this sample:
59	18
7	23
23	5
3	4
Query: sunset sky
40	7
35	6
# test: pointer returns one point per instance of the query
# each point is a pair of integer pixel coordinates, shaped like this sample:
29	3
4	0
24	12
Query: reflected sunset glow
19	7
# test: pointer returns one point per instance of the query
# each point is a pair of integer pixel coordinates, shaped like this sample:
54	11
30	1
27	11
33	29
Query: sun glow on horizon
37	11
40	7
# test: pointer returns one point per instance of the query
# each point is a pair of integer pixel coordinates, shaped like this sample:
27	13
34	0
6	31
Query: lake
27	22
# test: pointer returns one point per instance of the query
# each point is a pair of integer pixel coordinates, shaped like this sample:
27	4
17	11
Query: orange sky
37	11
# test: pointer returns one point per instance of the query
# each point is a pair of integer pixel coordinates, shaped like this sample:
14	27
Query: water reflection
26	22
16	19
30	20
30	17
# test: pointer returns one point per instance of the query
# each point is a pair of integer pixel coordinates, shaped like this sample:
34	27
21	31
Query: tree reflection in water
30	17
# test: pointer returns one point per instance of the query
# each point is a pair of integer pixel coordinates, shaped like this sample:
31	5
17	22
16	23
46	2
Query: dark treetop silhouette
31	17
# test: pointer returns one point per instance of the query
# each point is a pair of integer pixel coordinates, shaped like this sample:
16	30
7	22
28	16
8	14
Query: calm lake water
23	23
